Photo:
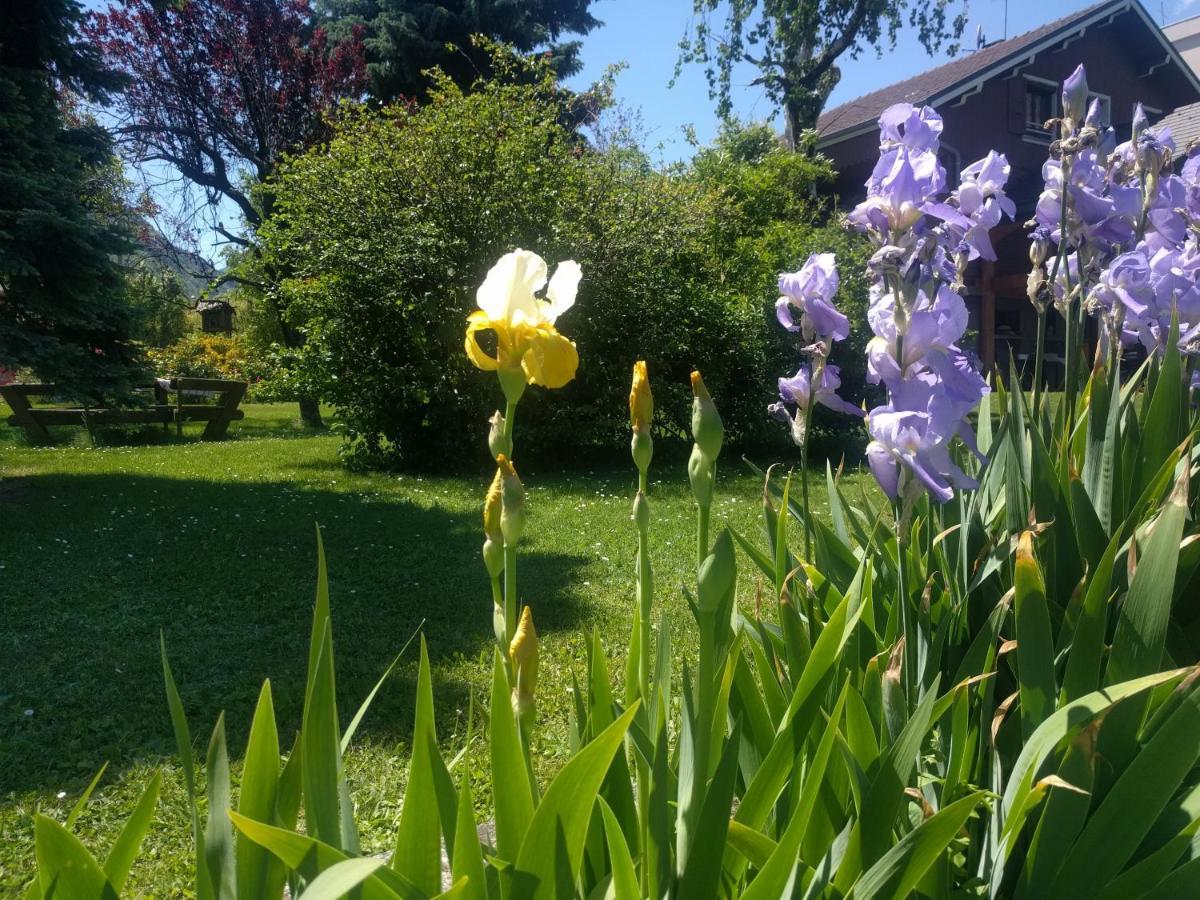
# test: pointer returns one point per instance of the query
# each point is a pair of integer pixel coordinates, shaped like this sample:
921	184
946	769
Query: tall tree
62	295
407	37
796	44
220	90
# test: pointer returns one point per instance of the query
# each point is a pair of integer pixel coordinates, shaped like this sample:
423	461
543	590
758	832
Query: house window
1041	104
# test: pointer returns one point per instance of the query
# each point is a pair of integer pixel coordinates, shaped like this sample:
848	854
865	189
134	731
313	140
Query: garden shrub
198	355
385	233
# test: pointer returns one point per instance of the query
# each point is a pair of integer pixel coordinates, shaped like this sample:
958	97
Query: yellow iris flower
523	322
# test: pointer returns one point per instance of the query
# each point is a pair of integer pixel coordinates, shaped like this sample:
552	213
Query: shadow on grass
226	571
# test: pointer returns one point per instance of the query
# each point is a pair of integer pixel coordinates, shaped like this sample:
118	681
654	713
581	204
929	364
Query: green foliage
388	231
796	46
406	38
198	355
772	210
157	304
961	769
63	313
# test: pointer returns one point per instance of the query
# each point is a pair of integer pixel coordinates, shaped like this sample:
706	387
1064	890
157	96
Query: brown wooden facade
997	107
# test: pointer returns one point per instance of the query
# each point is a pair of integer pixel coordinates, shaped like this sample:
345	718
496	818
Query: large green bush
387	230
773	210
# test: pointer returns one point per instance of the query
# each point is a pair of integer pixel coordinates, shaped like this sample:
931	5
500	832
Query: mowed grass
212	544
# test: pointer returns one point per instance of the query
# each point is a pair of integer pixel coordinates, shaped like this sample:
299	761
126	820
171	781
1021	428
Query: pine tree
63	313
407	37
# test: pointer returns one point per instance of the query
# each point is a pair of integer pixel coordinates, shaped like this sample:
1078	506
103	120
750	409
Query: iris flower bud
493	542
707	429
512	502
700	474
523	652
641	511
1074	96
498	444
641	414
1039	247
1140	121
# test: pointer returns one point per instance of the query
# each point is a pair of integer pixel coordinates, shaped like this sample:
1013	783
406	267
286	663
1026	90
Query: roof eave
1024	56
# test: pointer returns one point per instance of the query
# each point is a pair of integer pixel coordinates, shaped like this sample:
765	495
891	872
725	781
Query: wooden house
998	97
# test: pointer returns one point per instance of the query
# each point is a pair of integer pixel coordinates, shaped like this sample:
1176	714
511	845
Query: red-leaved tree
219	90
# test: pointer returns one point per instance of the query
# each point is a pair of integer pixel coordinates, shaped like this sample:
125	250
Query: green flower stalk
709	433
641	414
493	552
512	526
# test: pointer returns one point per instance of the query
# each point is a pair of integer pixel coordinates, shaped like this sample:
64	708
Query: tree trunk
310	412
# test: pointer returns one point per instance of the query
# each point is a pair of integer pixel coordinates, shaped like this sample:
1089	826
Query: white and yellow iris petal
523	322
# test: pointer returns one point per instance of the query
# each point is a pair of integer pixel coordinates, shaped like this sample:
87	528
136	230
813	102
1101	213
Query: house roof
1185	126
961	75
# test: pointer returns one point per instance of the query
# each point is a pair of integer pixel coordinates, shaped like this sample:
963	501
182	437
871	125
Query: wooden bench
229	394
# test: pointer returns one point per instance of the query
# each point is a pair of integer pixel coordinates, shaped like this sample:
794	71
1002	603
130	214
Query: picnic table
164	408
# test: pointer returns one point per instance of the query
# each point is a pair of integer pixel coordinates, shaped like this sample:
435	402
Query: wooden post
17	397
987	317
231	396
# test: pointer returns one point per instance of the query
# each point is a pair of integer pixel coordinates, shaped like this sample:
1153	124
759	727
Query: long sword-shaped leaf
774	877
902	867
321	760
1065	721
511	791
309	857
1035	643
1141	634
340	879
418	854
869	837
1117	826
218	833
553	846
66	870
624	875
258	872
125	849
183	741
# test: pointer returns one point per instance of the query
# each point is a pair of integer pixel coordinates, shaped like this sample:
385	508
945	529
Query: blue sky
645	35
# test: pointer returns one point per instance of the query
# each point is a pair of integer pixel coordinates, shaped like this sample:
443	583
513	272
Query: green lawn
213	545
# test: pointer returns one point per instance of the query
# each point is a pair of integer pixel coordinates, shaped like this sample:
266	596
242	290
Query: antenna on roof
980	40
1006	20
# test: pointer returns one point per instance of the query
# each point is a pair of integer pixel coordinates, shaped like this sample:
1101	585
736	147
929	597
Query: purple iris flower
915	439
811	291
918	128
977	206
915	314
798	390
1126	281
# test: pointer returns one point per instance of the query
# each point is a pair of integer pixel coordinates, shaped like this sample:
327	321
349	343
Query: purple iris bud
1074	95
1140	121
